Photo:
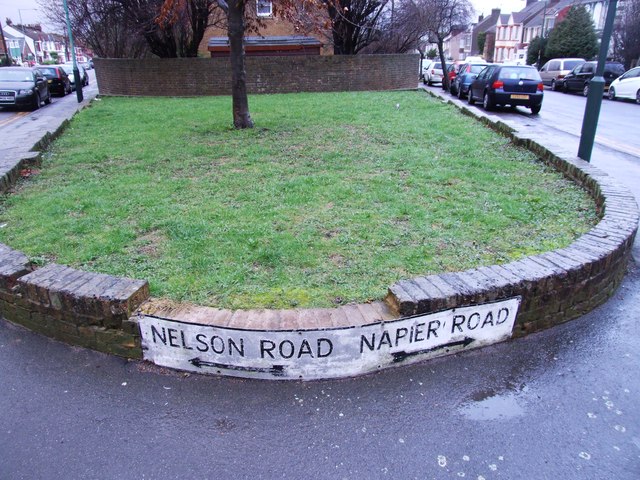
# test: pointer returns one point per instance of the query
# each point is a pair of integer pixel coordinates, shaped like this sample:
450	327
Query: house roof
276	41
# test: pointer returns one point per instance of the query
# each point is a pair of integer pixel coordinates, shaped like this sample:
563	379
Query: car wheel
470	98
565	88
554	87
612	94
487	103
47	101
460	94
638	97
585	90
36	103
429	82
424	81
535	109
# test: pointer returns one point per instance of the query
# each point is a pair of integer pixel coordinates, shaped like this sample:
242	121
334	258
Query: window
265	8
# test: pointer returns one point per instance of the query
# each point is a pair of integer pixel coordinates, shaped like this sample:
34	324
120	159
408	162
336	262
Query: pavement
563	403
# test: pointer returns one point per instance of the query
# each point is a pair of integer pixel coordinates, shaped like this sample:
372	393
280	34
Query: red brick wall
184	77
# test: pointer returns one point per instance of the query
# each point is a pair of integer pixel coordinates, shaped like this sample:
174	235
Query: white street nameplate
324	353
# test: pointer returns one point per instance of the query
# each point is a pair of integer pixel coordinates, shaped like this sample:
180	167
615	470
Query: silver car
555	69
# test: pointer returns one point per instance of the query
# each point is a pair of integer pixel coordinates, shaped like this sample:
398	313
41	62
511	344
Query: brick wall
183	77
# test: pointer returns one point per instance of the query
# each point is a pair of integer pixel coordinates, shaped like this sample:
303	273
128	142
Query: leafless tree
173	28
100	25
401	29
626	39
443	18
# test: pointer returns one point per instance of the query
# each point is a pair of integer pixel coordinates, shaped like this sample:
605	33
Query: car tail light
497	84
541	87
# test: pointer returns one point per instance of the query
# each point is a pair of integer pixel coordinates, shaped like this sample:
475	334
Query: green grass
330	199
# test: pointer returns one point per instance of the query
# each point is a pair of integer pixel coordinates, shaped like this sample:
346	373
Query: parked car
513	85
23	87
466	74
452	71
577	80
555	70
425	73
84	76
435	73
626	85
57	78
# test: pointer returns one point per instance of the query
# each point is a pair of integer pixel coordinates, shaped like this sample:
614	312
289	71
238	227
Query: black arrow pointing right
402	356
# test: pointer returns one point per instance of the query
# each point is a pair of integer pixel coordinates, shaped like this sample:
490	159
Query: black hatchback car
58	79
577	80
23	87
514	85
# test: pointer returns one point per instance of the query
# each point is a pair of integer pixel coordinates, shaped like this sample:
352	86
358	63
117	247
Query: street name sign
324	353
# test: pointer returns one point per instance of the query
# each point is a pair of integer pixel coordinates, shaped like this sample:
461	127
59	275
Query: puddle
497	407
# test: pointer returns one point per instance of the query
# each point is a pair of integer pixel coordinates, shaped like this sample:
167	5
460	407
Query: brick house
275	36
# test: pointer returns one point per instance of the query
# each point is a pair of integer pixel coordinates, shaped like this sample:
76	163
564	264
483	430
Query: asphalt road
563	403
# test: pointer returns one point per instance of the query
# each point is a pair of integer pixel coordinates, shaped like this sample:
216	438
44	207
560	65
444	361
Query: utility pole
596	89
76	72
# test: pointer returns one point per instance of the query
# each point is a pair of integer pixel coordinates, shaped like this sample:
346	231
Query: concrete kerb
116	315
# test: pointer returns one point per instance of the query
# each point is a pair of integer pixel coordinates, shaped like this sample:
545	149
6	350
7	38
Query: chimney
495	12
480	18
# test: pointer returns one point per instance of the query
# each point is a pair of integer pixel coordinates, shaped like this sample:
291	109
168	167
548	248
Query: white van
555	69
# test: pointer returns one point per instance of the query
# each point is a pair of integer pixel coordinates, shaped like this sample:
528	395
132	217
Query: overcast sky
30	10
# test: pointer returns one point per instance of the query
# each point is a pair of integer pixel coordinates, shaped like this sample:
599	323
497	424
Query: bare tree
100	25
354	24
401	29
443	18
626	38
173	28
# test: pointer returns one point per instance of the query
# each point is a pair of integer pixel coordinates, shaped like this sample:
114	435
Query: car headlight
25	92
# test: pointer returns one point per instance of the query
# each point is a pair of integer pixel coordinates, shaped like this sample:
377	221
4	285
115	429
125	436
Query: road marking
13	118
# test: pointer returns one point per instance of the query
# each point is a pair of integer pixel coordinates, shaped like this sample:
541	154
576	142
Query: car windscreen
15	76
48	72
571	64
516	73
477	68
68	68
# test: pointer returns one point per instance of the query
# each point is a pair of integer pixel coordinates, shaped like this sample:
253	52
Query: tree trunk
241	116
445	74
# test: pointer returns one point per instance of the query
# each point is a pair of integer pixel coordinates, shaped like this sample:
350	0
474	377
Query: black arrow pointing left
275	370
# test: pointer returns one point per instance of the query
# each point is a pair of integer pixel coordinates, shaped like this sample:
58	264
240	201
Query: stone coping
116	315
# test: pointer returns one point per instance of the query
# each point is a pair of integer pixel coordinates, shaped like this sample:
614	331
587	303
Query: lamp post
24	35
76	72
596	89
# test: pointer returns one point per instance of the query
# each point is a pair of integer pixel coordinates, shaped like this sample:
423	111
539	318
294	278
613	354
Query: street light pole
76	72
596	89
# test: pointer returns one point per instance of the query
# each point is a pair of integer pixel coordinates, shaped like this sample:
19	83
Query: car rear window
616	68
477	68
516	73
51	72
571	64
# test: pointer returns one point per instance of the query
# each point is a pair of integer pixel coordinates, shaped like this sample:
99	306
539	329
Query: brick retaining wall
182	77
97	311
